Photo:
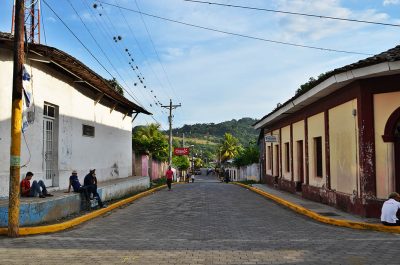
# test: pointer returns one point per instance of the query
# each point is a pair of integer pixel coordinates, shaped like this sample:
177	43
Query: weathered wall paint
298	135
35	211
268	156
316	129
285	140
343	140
384	105
275	155
109	152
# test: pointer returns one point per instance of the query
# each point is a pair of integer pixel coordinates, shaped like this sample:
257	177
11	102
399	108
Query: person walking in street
90	183
169	175
38	188
390	209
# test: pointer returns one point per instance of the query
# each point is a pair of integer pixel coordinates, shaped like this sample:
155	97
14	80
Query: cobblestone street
205	222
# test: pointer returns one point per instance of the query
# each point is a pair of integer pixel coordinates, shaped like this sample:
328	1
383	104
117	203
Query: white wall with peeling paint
109	151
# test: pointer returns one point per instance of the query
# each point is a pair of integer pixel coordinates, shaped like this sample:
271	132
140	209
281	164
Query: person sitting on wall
76	185
38	188
90	183
390	209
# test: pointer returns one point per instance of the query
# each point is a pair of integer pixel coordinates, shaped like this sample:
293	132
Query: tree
198	163
181	162
247	156
116	86
150	140
229	147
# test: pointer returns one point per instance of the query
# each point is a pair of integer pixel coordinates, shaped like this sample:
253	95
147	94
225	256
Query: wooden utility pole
170	107
16	120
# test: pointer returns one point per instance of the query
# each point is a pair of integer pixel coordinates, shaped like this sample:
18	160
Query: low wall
250	172
34	211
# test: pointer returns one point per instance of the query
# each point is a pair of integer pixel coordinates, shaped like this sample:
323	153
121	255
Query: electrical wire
141	50
98	45
44	30
138	73
155	50
296	13
238	34
77	38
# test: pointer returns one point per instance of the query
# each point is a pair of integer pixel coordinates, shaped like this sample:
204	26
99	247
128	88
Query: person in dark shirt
76	185
90	183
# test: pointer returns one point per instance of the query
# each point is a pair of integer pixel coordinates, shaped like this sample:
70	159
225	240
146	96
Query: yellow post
16	121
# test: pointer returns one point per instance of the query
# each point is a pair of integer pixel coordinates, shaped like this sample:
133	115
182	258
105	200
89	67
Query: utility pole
170	107
16	121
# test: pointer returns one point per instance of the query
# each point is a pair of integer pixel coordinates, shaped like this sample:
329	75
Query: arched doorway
392	134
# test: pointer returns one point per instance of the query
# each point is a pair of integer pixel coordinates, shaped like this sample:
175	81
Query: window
49	111
287	157
318	156
87	130
269	154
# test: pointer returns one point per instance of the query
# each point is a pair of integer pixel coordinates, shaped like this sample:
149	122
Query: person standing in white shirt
389	210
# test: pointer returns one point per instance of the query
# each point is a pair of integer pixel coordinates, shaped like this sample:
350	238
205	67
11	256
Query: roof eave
327	87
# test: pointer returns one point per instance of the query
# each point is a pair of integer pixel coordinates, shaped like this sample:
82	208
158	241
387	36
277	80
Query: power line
296	13
155	50
77	38
98	45
238	34
138	74
141	50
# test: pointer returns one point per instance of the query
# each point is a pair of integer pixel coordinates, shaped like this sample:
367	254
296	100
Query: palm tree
150	140
229	147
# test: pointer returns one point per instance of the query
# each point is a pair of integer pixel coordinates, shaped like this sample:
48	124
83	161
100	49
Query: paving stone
205	222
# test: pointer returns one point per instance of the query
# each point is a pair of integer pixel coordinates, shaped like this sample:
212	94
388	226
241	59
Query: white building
78	121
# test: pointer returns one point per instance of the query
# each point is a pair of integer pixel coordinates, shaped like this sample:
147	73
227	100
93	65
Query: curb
323	219
44	229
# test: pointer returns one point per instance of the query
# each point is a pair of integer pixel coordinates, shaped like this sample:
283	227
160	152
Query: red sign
181	151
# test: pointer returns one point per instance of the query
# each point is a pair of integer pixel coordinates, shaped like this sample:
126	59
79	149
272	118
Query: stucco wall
298	135
316	129
286	174
275	155
268	157
343	143
109	151
384	105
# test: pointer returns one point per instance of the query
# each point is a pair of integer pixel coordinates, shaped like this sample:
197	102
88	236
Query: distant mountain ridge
213	132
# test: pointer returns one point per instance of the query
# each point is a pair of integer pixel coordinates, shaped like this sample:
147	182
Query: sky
214	76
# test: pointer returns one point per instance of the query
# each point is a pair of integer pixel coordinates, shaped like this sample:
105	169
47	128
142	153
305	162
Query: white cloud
391	2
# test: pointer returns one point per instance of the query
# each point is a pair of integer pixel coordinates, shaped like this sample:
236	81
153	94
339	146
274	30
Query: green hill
214	132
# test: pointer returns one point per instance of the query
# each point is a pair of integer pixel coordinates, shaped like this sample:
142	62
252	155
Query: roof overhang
326	88
82	74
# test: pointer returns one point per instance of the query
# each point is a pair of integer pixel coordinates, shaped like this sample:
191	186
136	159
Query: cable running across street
296	13
238	34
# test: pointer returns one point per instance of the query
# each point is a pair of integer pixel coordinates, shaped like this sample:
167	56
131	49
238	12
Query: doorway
397	155
50	149
300	165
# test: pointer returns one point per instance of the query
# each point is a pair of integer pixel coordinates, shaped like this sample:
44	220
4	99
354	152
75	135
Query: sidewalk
319	208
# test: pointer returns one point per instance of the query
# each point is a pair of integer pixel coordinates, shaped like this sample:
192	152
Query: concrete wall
109	151
250	172
34	211
384	105
343	139
275	155
316	129
286	173
298	135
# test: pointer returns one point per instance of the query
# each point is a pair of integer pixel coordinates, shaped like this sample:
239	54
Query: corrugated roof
78	69
390	55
